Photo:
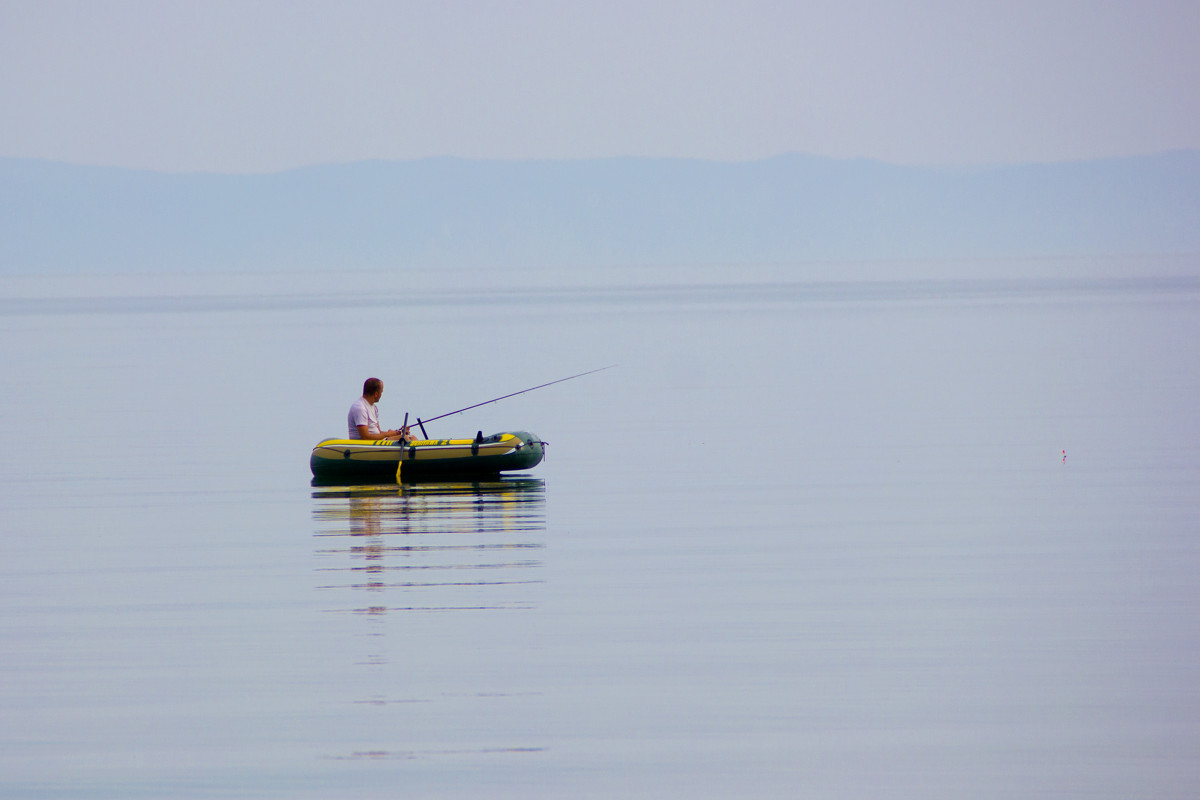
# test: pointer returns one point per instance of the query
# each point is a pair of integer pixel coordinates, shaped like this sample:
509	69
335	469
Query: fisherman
363	419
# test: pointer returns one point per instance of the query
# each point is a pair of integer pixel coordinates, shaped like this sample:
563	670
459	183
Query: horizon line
316	165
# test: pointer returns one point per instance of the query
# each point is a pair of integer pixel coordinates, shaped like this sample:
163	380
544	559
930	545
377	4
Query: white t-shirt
363	413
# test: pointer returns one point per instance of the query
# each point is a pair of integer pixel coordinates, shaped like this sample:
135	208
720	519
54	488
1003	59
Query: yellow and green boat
355	460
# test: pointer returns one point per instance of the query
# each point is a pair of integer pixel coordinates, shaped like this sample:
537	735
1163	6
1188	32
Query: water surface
923	534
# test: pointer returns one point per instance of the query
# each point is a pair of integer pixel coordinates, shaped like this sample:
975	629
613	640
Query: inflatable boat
388	459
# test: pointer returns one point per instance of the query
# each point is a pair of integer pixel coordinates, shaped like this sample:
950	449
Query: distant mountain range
625	211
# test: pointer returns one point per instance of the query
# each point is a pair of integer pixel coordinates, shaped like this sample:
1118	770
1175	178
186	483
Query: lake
853	531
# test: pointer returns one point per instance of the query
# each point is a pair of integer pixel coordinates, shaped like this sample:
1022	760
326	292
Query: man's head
373	389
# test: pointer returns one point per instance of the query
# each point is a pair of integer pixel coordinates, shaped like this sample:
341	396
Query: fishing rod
421	422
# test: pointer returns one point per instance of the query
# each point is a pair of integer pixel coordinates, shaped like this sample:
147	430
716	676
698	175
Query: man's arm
363	433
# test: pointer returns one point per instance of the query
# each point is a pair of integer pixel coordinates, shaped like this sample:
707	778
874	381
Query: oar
421	422
400	463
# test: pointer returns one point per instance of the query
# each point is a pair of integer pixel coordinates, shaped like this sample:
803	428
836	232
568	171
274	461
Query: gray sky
260	86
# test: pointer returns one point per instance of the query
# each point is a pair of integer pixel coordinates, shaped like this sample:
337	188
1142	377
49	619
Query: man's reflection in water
365	522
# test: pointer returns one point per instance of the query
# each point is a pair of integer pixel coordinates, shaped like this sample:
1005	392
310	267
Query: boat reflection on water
431	536
433	575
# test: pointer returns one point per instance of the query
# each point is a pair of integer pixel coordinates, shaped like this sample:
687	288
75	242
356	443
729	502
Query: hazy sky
258	86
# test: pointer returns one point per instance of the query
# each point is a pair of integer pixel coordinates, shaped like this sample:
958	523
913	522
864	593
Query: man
363	419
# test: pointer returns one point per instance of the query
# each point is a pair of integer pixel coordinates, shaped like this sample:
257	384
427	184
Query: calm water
816	536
